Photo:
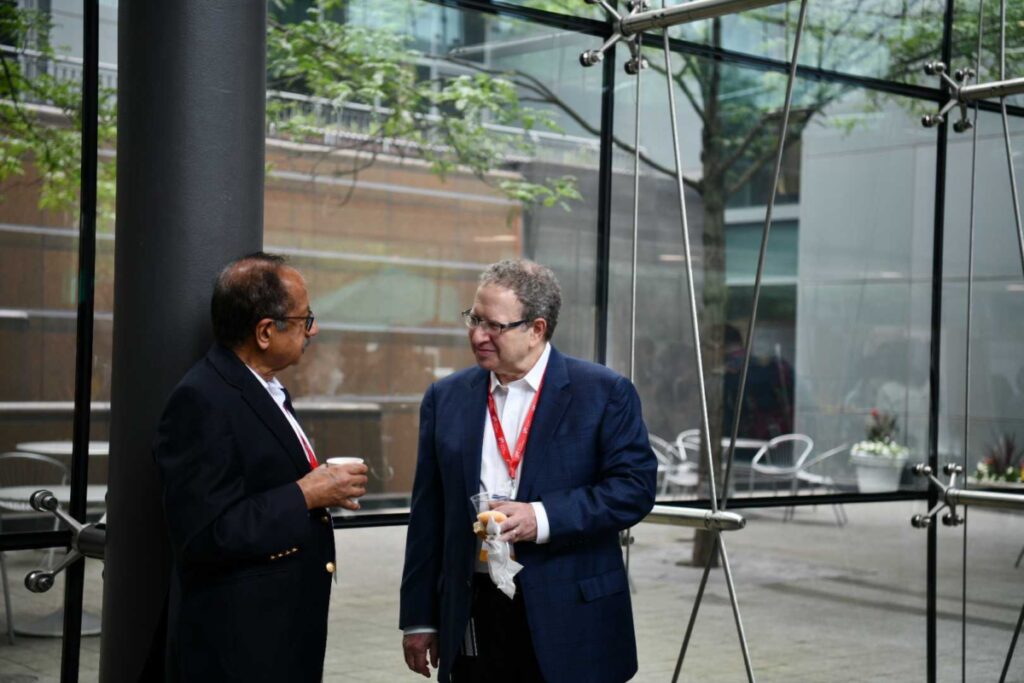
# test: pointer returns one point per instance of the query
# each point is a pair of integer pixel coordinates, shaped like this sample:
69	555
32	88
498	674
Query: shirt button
330	567
326	519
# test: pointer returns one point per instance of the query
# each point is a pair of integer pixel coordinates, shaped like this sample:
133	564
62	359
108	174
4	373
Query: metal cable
1013	646
692	298
695	609
967	360
636	242
748	353
1020	246
691	295
736	609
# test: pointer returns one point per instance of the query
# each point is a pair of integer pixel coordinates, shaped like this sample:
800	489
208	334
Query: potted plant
879	459
1001	463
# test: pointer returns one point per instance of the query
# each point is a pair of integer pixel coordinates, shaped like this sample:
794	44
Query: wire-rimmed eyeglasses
492	328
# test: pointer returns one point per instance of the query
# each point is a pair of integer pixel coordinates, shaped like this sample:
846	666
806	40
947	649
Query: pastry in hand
480	525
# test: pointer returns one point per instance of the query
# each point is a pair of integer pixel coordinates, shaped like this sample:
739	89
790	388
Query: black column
190	154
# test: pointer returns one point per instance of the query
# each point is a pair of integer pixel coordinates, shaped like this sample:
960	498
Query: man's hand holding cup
339	483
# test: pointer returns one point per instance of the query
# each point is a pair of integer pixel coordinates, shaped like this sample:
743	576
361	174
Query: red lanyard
512	460
313	464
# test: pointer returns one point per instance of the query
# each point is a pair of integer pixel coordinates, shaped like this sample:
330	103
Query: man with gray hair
564	441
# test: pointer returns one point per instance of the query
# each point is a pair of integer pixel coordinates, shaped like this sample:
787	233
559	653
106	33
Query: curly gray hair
533	284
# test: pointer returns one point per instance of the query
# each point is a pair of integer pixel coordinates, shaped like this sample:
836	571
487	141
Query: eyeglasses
492	328
310	319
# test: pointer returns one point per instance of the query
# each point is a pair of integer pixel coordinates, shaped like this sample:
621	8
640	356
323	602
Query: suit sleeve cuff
413	630
543	528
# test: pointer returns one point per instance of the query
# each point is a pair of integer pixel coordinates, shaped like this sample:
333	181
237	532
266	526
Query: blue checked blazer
588	460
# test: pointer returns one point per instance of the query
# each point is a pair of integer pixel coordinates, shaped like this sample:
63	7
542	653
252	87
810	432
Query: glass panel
888	39
966	36
392	197
39	184
997	373
844	316
983	584
569	7
990	599
851	579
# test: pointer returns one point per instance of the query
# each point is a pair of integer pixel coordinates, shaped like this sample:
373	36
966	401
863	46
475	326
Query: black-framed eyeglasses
492	328
310	319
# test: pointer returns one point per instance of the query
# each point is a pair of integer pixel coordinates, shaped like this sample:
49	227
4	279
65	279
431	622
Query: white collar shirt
276	391
512	403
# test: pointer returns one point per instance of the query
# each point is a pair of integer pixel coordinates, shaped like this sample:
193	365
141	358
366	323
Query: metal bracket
964	93
636	61
87	540
961	78
951	496
640	18
696	518
951	518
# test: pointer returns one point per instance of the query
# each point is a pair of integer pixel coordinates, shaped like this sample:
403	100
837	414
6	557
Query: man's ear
264	332
539	327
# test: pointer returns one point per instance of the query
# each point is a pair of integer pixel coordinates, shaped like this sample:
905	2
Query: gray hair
533	284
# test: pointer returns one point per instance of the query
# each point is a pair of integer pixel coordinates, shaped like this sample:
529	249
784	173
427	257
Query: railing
341	122
63	68
337	123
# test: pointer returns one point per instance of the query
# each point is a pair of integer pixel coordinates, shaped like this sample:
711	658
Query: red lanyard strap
512	460
310	456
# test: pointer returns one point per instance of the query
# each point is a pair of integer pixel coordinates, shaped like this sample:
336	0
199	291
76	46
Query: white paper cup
344	461
332	462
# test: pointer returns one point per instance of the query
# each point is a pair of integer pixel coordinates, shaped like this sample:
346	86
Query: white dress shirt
512	402
276	391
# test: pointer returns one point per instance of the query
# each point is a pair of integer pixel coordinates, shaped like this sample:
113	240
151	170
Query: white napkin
500	564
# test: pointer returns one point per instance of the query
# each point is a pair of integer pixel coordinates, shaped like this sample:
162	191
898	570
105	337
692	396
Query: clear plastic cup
483	502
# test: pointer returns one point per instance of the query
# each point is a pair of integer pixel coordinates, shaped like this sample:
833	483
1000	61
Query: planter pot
876	473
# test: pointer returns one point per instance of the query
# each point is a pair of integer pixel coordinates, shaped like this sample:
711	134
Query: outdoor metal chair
674	470
787	459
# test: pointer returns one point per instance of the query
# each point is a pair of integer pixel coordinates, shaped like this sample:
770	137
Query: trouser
501	636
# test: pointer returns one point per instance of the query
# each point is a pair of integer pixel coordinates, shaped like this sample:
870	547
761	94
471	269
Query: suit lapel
471	419
554	400
256	396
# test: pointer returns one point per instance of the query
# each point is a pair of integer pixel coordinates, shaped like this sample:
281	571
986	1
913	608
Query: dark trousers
503	643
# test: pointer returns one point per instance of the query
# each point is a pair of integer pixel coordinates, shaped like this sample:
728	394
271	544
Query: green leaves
366	89
344	86
41	117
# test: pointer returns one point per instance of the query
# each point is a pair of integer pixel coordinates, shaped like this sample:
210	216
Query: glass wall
439	139
843	332
392	234
39	187
986	388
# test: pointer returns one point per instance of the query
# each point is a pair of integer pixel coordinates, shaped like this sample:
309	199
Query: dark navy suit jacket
588	460
250	587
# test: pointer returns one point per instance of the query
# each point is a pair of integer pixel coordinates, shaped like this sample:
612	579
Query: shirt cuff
413	630
543	528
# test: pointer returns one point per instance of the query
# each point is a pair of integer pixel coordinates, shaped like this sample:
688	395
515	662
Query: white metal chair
787	458
674	470
688	440
20	474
